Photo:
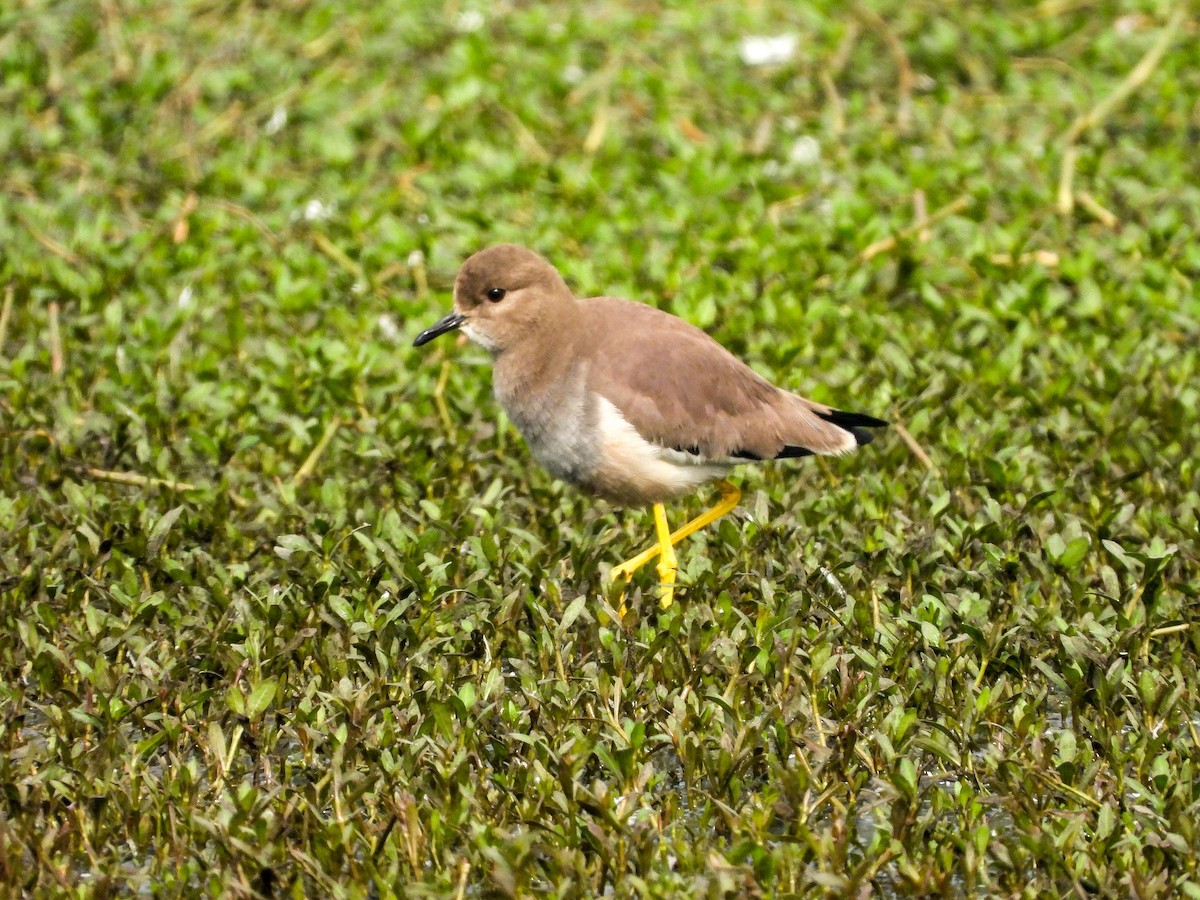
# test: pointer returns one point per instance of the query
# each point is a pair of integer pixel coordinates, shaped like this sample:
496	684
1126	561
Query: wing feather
682	390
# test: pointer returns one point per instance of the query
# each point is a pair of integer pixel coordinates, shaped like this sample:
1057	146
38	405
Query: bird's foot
623	572
617	586
666	578
667	564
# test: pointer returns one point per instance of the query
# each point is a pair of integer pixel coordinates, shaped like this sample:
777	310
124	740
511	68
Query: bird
627	402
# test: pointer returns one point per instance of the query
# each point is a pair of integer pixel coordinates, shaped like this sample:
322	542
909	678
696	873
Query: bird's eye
495	294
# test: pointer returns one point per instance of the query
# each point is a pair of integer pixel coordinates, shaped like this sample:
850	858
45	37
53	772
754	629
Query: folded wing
696	397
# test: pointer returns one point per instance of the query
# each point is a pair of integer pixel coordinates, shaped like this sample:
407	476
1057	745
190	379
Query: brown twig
526	140
464	869
917	450
1106	217
310	463
5	313
1066	175
221	124
50	243
921	216
885	244
776	210
338	255
1137	76
179	231
763	130
1053	8
834	101
439	397
904	74
406	182
122	63
598	129
242	213
1170	629
1047	258
56	349
841	56
416	265
388	272
133	479
690	130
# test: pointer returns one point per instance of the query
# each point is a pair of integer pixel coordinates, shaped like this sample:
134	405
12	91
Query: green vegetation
274	621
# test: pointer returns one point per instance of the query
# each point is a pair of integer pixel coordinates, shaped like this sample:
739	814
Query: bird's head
503	295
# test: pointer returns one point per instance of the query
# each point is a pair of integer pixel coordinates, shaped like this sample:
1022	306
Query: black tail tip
855	423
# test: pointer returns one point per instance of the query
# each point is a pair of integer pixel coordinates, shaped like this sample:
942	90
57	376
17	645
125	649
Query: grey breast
559	423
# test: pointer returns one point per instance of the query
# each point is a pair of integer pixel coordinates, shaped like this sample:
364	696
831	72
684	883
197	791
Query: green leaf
906	777
1074	552
572	612
466	693
260	698
158	534
1055	546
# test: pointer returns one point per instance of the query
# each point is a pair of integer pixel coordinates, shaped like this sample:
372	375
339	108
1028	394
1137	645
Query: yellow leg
666	561
730	496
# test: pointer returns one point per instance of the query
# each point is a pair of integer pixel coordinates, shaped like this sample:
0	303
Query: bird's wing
682	390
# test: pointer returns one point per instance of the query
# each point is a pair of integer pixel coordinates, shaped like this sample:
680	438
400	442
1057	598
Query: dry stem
1137	76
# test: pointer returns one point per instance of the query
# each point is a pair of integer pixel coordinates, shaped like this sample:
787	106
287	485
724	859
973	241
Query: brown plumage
622	399
681	389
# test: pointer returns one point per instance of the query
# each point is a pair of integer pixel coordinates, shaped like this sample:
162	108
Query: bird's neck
546	371
544	390
534	371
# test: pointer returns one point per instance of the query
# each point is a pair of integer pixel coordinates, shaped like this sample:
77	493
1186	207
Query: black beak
449	323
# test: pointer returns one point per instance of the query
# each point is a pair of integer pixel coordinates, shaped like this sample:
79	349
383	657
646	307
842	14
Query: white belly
633	470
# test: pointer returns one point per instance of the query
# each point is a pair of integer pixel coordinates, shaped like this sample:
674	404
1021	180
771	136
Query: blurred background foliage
286	608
